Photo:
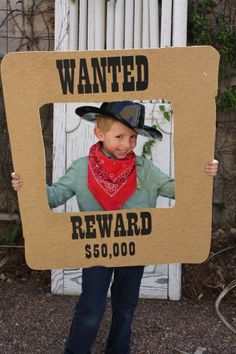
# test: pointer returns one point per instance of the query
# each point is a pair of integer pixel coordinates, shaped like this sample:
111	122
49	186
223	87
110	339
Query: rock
3	276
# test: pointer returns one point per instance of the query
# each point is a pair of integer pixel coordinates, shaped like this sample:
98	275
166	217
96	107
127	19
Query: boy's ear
99	134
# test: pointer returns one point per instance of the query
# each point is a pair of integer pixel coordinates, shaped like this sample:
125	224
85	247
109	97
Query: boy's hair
104	123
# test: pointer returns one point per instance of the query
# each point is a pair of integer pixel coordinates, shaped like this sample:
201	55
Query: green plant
226	99
219	207
166	114
147	148
213	23
12	231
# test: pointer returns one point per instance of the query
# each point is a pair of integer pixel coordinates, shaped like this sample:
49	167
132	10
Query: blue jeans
91	307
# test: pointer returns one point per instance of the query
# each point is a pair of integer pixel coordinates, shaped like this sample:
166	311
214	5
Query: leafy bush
213	23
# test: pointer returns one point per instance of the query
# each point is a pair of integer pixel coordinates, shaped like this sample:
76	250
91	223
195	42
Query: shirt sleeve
167	188
160	182
62	190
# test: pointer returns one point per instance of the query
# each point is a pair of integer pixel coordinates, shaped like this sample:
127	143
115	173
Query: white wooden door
117	24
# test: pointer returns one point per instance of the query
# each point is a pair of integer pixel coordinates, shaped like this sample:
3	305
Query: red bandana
112	182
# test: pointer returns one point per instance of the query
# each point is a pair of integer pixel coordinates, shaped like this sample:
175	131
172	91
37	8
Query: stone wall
224	198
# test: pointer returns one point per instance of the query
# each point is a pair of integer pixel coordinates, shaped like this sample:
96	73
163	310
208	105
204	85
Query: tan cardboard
187	77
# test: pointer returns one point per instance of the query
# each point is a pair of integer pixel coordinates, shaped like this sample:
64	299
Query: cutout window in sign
108	156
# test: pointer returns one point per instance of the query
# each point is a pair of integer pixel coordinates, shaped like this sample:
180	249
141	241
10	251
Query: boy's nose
127	143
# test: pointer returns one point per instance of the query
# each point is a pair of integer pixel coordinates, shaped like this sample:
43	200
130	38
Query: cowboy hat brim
90	113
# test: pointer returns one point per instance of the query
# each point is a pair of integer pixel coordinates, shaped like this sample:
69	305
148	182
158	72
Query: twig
4	260
229	287
215	254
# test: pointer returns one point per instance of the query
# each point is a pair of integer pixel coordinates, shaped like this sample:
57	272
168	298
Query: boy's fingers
16	181
14	176
213	163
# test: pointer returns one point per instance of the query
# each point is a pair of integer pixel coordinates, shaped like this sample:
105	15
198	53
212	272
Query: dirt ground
32	320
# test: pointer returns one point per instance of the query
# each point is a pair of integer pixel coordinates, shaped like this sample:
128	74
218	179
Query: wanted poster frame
187	77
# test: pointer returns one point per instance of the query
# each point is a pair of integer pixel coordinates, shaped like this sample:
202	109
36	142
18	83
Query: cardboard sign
187	77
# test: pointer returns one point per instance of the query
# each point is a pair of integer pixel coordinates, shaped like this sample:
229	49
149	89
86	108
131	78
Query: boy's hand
212	168
16	181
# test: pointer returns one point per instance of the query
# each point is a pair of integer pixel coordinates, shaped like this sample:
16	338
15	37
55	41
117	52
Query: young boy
112	177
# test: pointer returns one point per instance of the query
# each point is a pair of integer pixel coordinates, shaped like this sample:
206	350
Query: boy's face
118	141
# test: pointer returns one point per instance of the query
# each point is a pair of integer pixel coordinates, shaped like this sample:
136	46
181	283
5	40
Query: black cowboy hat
131	114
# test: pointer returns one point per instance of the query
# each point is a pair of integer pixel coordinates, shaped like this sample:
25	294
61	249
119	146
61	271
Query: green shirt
151	183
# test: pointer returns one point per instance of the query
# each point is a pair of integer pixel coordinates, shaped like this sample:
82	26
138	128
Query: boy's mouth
123	153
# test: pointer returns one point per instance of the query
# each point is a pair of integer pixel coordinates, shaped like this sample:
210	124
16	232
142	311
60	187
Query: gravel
32	320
